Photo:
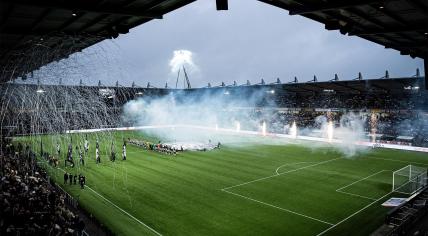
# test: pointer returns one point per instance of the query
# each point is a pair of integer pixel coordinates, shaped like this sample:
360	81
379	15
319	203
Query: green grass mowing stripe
308	192
361	180
290	171
372	188
180	195
119	208
353	214
291	164
139	221
356	195
277	207
400	161
101	209
216	165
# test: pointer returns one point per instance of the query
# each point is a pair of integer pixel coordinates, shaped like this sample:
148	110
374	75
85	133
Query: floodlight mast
178	76
187	78
186	81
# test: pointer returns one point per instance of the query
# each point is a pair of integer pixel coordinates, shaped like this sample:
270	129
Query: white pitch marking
356	195
353	214
289	164
133	217
277	207
271	176
139	221
361	180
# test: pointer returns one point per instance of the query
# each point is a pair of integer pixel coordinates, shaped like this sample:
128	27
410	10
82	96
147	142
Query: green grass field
259	186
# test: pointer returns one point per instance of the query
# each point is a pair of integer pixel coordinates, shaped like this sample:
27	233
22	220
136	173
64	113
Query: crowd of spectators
388	125
351	101
29	203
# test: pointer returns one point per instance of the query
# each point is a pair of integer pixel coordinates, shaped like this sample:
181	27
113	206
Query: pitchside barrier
359	143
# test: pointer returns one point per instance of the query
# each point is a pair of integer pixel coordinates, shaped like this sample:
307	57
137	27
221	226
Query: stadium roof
36	32
397	24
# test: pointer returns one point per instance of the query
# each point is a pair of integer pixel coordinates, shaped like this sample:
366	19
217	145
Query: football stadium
343	156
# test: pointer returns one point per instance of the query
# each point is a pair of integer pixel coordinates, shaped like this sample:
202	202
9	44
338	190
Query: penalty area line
356	195
120	209
339	189
353	214
279	208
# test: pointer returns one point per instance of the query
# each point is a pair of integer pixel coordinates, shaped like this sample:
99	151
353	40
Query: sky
250	41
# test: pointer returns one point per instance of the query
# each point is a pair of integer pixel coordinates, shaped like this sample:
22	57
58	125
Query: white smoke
182	58
351	130
218	109
208	109
348	129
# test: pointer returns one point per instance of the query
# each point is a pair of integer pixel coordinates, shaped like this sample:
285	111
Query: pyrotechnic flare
330	131
293	130
264	128
238	126
373	128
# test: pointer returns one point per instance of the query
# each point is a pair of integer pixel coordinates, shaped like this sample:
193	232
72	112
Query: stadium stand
399	106
30	204
401	219
35	33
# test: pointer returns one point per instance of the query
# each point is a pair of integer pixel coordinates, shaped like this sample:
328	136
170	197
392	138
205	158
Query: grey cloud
252	40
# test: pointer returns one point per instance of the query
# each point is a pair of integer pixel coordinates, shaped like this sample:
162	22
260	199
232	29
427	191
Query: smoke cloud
229	108
206	107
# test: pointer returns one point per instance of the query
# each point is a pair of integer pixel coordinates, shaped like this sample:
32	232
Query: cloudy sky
250	41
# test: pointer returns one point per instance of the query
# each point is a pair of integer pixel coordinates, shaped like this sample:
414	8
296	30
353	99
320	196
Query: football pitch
251	186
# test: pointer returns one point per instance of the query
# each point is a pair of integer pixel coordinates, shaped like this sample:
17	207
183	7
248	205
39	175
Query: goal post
409	179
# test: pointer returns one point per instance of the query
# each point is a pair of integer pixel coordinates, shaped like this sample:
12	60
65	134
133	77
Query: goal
409	179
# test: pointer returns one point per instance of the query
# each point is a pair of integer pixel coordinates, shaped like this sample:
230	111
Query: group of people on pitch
69	157
159	147
113	152
72	179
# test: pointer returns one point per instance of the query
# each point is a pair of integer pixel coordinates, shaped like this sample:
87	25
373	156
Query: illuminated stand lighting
264	128
293	130
330	131
238	126
40	91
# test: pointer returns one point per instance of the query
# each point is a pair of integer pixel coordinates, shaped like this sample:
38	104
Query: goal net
409	179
